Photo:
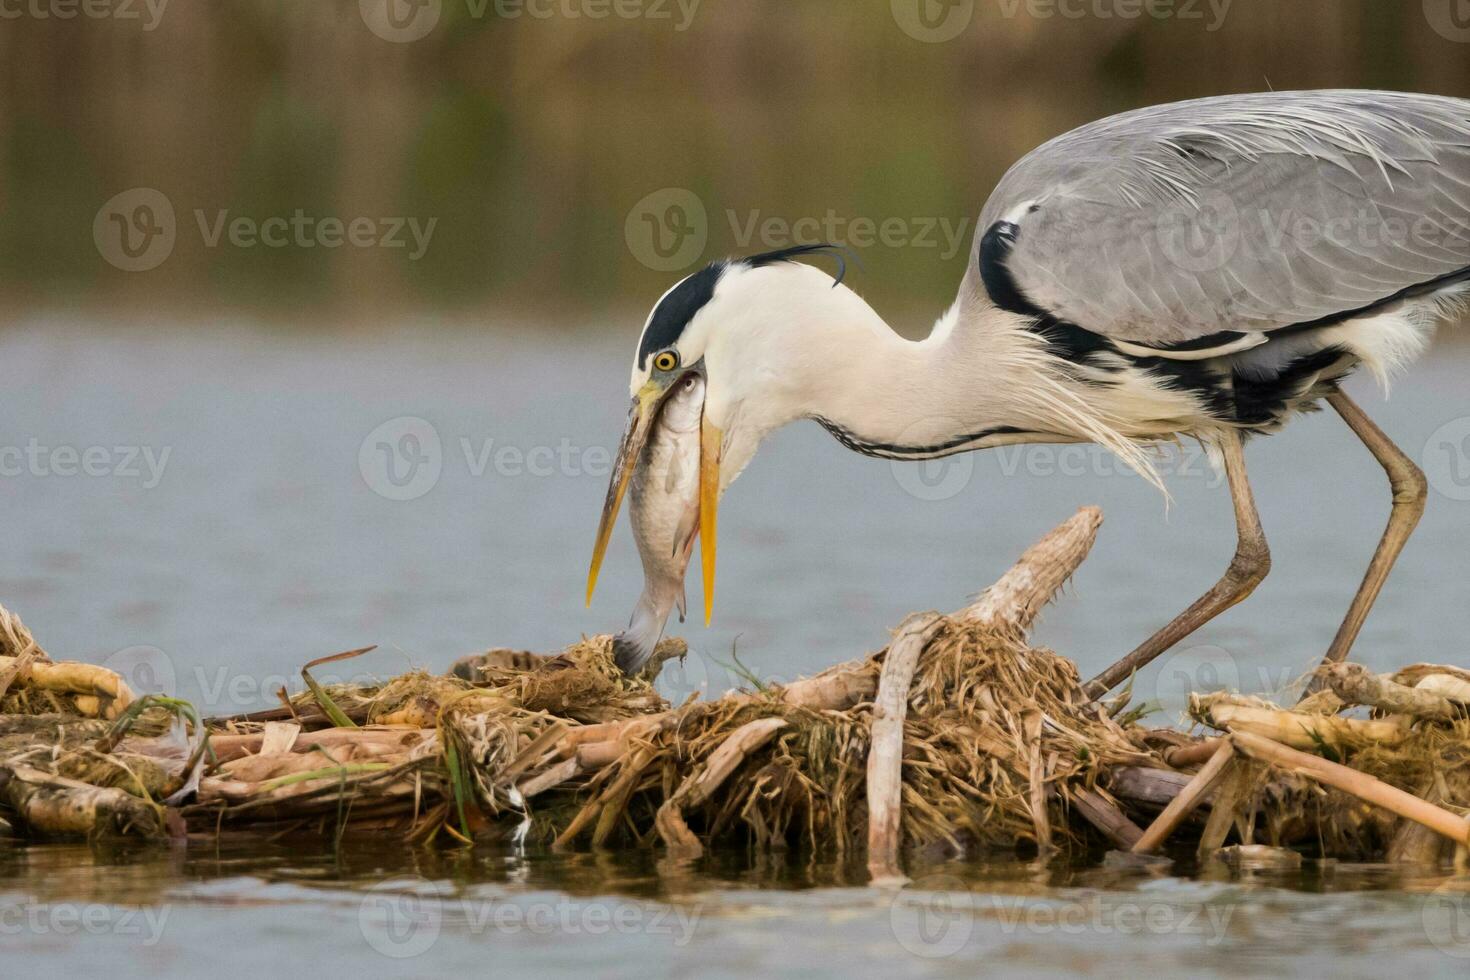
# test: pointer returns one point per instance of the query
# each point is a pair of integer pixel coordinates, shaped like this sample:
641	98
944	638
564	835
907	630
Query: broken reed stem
1356	684
16	640
1188	799
228	748
555	776
1185	756
613	796
698	788
1295	728
1361	785
885	749
1232	788
1031	723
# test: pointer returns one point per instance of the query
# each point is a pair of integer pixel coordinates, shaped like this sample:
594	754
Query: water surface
206	508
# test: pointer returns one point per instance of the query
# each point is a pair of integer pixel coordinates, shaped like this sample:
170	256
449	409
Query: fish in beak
641	416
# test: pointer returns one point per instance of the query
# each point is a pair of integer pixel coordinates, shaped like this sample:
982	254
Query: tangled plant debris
959	735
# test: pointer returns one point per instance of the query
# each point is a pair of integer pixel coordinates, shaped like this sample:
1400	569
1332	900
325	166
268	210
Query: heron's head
736	324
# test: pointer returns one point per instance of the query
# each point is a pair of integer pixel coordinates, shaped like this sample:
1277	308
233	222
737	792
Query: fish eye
689	383
666	360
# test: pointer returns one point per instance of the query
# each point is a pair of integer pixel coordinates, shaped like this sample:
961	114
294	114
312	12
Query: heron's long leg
1410	491
1249	566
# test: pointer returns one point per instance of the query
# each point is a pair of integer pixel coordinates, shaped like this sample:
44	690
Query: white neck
794	346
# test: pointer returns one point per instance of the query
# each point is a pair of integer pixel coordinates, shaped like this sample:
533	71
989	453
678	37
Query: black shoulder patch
675	310
995	247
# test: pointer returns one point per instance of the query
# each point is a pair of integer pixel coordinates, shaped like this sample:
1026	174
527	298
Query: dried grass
1001	747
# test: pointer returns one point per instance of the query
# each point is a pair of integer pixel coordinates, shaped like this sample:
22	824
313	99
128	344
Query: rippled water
206	508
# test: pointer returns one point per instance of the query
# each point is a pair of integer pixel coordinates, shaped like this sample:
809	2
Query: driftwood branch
56	806
1013	602
885	750
1018	597
1108	818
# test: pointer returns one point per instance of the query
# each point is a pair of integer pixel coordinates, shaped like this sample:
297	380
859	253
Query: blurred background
317	318
529	130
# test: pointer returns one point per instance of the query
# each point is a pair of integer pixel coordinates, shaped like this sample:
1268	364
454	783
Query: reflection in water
364	907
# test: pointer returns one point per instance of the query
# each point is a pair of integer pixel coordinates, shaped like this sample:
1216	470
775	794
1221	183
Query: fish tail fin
633	647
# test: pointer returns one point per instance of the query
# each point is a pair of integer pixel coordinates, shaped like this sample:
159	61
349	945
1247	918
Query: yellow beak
640	422
710	440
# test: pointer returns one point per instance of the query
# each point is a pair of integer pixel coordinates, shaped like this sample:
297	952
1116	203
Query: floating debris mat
959	735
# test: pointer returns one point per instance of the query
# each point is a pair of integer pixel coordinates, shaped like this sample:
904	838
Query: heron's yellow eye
666	360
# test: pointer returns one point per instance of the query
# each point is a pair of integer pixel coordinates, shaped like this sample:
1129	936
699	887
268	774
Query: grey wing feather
1239	213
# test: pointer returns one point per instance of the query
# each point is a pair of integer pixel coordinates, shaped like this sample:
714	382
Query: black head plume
791	253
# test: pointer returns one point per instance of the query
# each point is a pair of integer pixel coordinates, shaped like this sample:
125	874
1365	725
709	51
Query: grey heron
1203	269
